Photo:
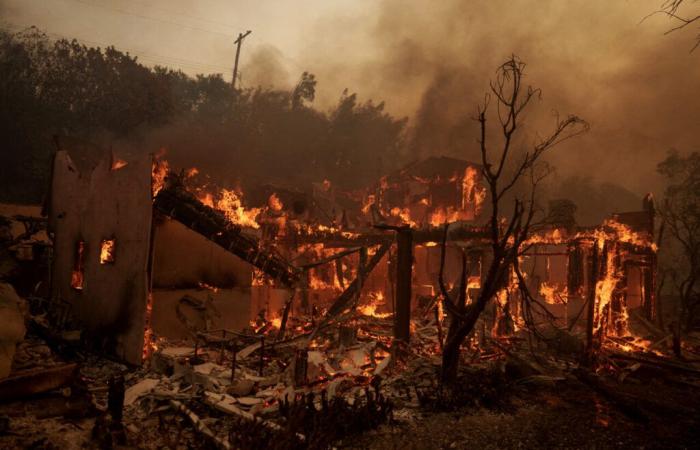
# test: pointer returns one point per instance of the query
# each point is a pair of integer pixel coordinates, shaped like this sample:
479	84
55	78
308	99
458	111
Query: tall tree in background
106	97
502	170
681	215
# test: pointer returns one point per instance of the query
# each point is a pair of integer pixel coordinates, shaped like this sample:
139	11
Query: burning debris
275	318
349	336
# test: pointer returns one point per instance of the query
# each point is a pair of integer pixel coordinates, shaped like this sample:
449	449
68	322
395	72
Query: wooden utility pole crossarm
238	43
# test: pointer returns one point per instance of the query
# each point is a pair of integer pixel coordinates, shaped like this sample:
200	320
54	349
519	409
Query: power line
155	19
175	13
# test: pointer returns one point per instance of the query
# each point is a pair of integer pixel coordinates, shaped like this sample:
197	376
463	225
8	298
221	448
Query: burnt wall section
186	259
176	203
110	202
182	313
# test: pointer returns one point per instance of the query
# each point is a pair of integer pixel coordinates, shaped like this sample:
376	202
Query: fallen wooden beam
36	381
344	300
372	237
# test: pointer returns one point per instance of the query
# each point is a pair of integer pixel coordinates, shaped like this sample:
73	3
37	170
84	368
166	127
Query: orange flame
370	309
118	164
230	202
159	171
275	203
107	251
553	294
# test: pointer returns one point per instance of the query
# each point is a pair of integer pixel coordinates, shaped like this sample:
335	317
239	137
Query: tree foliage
502	170
681	217
105	96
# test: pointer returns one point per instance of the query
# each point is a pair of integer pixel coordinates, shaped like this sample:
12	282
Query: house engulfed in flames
142	253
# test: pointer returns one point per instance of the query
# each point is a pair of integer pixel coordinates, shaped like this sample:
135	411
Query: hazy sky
431	60
194	35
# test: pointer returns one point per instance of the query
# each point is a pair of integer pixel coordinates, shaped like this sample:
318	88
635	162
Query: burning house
139	258
300	270
281	291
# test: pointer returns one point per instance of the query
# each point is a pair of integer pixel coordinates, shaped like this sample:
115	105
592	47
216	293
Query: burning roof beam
458	232
178	204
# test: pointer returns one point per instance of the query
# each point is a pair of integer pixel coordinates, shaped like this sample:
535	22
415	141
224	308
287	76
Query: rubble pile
254	390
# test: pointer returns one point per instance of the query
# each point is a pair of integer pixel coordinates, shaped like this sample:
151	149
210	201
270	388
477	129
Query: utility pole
238	43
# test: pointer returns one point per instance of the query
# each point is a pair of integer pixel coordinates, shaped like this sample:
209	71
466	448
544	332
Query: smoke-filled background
428	61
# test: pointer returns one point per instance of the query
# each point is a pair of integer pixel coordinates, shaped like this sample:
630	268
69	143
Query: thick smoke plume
433	61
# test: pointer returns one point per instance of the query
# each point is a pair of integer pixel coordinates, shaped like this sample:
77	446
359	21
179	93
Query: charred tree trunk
450	352
465	324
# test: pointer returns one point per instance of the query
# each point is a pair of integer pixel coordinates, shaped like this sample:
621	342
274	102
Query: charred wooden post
601	321
592	280
115	398
575	268
301	364
347	335
649	283
362	262
223	345
285	316
404	272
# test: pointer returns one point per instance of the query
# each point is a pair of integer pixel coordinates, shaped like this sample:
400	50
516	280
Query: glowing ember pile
370	309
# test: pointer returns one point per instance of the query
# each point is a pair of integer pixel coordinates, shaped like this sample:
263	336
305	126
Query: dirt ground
566	415
550	414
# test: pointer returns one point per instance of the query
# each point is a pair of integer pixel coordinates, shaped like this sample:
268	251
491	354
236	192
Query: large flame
473	193
159	171
230	202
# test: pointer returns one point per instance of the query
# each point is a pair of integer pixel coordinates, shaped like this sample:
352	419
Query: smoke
266	68
433	61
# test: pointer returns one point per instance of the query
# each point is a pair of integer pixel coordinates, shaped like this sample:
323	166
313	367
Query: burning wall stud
78	274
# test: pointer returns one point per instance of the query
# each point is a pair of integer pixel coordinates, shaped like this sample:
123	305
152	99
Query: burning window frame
108	250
